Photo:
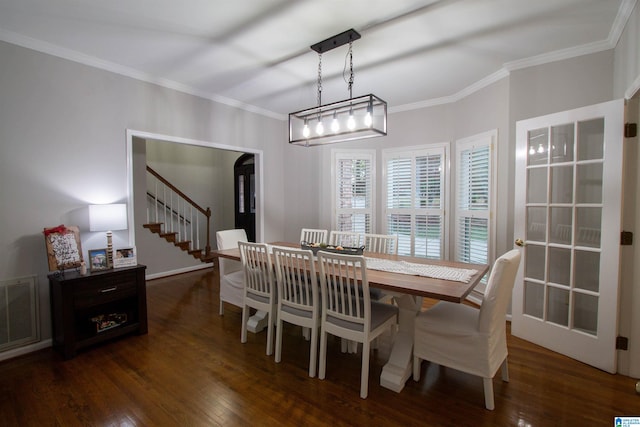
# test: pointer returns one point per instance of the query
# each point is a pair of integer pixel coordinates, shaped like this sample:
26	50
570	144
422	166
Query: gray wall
63	146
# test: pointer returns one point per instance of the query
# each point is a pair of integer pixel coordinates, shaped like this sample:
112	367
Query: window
474	198
354	185
416	198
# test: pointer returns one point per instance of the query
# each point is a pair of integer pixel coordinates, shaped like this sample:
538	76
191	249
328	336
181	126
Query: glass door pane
564	211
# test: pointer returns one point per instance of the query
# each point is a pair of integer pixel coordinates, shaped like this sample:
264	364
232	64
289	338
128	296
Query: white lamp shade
108	217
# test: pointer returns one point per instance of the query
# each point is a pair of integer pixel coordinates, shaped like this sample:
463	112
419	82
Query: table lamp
108	218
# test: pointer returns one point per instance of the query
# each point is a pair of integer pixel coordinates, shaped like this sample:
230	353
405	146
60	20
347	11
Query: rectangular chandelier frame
368	116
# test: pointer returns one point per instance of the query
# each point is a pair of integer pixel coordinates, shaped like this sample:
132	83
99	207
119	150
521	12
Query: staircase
173	216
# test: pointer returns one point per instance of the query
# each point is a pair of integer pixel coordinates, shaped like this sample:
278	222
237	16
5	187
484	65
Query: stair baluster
180	222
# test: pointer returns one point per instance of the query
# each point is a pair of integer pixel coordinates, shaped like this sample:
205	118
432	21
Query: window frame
353	154
480	140
413	152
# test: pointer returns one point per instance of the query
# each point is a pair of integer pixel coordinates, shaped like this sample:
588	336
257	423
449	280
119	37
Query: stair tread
170	236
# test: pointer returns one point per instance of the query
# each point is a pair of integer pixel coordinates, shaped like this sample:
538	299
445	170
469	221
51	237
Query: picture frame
125	257
98	260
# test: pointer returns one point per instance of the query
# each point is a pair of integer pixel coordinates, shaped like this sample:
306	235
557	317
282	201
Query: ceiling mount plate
336	41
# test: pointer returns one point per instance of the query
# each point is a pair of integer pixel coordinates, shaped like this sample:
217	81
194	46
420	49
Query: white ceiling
255	53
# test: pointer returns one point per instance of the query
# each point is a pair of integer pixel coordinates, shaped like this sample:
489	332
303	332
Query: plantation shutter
414	201
354	183
474	197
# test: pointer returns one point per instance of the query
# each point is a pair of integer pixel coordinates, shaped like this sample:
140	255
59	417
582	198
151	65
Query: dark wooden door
245	195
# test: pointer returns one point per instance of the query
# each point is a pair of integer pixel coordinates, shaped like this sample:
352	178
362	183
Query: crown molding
72	55
624	12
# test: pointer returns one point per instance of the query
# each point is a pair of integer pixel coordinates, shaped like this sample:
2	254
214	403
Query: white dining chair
231	274
345	238
381	243
260	288
298	298
348	313
312	235
468	339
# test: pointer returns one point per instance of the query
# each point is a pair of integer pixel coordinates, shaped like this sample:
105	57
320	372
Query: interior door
245	195
568	206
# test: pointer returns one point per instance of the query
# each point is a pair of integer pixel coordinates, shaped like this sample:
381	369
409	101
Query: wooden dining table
407	291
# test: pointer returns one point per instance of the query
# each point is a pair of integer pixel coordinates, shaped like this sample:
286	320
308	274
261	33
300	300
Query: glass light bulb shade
351	122
306	131
368	120
540	148
319	128
335	125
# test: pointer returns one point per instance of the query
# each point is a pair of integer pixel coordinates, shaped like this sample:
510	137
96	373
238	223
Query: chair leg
416	368
488	393
221	308
278	340
313	356
344	343
364	373
245	320
505	371
322	363
306	332
270	333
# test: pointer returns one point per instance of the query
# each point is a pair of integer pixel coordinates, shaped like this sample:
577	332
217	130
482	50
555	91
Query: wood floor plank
192	370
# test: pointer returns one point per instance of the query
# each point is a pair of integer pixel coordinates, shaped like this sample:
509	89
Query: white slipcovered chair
298	297
231	274
347	315
260	288
466	338
312	235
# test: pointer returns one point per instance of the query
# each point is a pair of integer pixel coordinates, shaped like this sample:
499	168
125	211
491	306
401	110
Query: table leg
257	322
399	367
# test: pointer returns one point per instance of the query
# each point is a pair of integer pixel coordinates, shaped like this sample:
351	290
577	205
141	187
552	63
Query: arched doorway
245	195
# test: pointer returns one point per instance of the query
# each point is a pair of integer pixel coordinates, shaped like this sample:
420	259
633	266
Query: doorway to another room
245	195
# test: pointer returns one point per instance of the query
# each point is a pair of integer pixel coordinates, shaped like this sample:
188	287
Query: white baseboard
178	271
10	354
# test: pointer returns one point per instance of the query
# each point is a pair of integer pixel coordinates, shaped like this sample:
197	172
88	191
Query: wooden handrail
174	188
206	212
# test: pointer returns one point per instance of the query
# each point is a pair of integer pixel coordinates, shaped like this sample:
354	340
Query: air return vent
18	312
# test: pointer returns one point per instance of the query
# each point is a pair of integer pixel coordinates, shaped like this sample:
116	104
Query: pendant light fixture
354	118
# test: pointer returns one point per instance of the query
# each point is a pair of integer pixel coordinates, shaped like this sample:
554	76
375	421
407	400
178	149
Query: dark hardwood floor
192	370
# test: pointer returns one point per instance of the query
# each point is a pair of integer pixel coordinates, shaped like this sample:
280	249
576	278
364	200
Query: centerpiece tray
345	250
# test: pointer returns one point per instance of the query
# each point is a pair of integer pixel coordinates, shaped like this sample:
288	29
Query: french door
567	215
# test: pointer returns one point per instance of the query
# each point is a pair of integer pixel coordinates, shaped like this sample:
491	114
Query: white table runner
427	270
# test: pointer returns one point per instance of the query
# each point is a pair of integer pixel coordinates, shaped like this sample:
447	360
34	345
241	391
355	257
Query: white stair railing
176	212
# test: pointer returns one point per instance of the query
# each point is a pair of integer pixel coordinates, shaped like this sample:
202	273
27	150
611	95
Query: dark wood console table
118	297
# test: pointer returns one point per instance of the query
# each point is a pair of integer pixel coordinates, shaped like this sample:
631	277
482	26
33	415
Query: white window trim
337	154
411	151
482	139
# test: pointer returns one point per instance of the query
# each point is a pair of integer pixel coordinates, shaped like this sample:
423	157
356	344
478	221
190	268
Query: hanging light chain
351	69
319	79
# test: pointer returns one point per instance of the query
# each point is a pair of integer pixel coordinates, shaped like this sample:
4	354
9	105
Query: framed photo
98	260
125	257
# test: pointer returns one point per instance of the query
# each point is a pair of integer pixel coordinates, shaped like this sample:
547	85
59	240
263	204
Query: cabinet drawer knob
104	291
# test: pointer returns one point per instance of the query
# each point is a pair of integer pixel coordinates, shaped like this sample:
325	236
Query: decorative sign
63	247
